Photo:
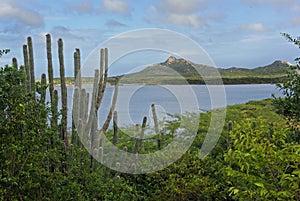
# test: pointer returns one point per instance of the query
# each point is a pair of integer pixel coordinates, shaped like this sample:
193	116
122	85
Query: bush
261	164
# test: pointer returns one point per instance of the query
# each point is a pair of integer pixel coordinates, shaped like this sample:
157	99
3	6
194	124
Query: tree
289	105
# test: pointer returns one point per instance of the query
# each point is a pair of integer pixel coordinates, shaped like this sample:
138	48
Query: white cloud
84	7
190	13
181	7
189	20
12	11
116	6
257	27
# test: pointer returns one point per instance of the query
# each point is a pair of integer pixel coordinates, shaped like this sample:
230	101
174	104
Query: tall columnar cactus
83	109
63	92
103	76
54	104
27	69
114	141
50	66
14	63
100	79
76	102
43	87
228	141
123	164
230	126
91	123
112	107
77	73
139	139
115	127
156	127
87	118
75	115
31	63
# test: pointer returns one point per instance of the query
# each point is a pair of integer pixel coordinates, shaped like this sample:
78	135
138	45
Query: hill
180	71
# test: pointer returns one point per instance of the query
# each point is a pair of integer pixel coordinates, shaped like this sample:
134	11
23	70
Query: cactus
228	141
63	92
100	144
138	140
118	166
50	68
54	104
114	141
77	73
123	165
133	168
31	63
75	115
115	126
103	76
27	69
43	87
230	126
91	127
156	128
84	102
100	155
90	123
75	110
112	108
83	117
14	63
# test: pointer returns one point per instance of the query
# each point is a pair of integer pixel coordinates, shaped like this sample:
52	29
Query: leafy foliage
256	157
261	164
35	165
289	105
5	51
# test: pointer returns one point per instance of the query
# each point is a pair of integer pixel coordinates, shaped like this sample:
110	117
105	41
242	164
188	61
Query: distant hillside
276	68
168	72
181	71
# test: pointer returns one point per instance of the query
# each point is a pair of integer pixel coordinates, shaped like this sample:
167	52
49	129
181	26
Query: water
134	101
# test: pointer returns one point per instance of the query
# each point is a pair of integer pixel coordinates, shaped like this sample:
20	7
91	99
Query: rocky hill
169	71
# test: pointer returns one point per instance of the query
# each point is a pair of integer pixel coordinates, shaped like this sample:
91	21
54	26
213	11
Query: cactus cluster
84	115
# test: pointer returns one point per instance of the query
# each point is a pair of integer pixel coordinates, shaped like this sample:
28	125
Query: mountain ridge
168	71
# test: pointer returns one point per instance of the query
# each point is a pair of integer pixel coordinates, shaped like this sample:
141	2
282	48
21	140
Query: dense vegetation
257	156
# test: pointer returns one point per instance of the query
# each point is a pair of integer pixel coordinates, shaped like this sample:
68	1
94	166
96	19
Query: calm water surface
134	101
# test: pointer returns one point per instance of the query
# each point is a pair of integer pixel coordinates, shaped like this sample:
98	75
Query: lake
134	101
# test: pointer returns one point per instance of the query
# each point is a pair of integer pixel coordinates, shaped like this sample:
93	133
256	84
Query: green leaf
235	191
259	184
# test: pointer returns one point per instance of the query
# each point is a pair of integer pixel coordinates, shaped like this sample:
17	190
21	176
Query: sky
240	33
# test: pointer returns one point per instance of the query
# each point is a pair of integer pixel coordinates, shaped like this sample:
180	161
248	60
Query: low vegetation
256	158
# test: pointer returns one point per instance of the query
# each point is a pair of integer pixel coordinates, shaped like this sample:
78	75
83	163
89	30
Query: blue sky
243	33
